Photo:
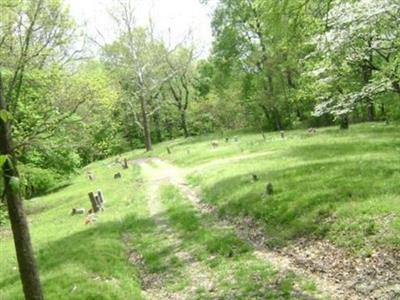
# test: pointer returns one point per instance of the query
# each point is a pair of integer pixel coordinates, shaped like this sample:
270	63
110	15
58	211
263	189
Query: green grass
236	271
79	261
338	185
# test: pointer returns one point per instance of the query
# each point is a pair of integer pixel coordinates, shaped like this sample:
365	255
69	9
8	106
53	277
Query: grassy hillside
79	261
342	186
338	185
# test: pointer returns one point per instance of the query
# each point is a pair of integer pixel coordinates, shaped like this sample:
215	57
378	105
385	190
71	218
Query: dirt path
199	275
335	273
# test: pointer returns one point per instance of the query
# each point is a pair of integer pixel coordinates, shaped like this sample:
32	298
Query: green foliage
5	115
36	181
3	159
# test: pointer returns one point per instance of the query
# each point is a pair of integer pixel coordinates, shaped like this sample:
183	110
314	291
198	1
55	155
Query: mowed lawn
339	185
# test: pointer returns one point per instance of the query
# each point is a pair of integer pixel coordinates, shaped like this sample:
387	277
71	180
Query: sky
173	19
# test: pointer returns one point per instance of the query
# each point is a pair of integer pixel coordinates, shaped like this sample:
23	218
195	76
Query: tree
262	41
32	34
138	60
357	56
180	85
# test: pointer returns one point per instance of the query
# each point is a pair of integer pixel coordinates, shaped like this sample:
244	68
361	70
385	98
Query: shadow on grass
305	196
99	252
204	241
324	150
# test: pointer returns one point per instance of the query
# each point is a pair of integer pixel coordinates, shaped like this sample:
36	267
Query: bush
62	160
37	181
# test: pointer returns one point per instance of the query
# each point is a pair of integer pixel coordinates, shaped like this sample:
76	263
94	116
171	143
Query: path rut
199	275
290	259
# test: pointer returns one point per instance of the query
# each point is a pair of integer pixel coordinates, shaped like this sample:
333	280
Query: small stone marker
91	176
125	164
214	144
269	190
282	134
77	211
255	177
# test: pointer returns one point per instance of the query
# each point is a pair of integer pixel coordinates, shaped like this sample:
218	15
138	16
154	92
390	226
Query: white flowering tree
357	56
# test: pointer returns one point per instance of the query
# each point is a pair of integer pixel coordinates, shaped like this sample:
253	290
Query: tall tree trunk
383	111
277	118
370	110
157	124
184	124
367	75
344	121
146	125
26	261
396	86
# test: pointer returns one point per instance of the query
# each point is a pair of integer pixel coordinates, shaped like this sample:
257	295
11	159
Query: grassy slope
340	185
80	261
343	186
237	273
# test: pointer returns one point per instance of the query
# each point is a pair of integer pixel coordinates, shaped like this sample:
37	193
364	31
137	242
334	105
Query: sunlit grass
236	272
338	185
79	261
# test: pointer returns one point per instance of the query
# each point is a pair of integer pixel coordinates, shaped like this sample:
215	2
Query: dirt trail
336	275
199	275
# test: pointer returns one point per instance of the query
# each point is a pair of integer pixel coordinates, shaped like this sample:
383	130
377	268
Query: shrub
37	181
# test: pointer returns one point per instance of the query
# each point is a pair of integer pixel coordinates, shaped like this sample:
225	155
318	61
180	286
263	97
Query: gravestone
97	201
269	189
125	164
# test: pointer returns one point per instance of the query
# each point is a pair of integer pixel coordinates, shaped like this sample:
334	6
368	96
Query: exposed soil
337	273
198	275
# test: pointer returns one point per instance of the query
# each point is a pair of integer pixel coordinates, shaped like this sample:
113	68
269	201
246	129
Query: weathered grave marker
77	211
255	177
94	202
269	189
91	176
97	201
125	164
